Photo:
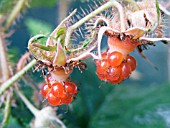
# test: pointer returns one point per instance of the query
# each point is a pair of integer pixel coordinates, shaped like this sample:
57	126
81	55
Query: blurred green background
141	101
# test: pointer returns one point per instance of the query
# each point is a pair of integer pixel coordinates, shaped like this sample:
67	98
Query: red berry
58	90
54	101
102	66
102	76
45	89
67	99
114	73
104	57
116	81
132	62
126	70
115	58
70	88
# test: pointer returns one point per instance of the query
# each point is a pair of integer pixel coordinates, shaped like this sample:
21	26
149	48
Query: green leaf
133	106
91	95
99	104
6	6
13	123
13	54
21	113
36	26
43	3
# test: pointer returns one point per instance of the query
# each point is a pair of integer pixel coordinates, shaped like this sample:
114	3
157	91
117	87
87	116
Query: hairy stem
132	2
13	79
4	66
62	5
27	102
7	111
3	61
111	3
14	13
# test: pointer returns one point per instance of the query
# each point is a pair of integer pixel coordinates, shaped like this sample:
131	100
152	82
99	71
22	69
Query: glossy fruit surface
115	59
67	99
114	74
126	70
116	81
132	62
45	90
70	88
58	90
54	101
102	66
102	76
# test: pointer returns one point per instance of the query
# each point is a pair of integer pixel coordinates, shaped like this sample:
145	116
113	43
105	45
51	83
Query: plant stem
13	79
27	102
35	111
132	2
3	60
91	15
14	13
7	111
62	5
111	3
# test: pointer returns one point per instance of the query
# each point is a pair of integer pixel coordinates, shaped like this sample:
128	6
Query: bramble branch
14	78
14	14
111	3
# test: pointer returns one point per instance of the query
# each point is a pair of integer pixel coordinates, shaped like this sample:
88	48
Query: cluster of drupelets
114	65
58	93
114	68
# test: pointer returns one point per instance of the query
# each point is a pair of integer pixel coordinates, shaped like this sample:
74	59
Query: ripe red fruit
132	62
67	99
116	81
45	89
102	66
70	88
115	58
114	74
58	90
54	101
102	76
126	70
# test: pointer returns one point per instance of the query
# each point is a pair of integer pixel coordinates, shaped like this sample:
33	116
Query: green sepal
37	37
60	57
158	10
61	33
86	42
38	50
46	48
